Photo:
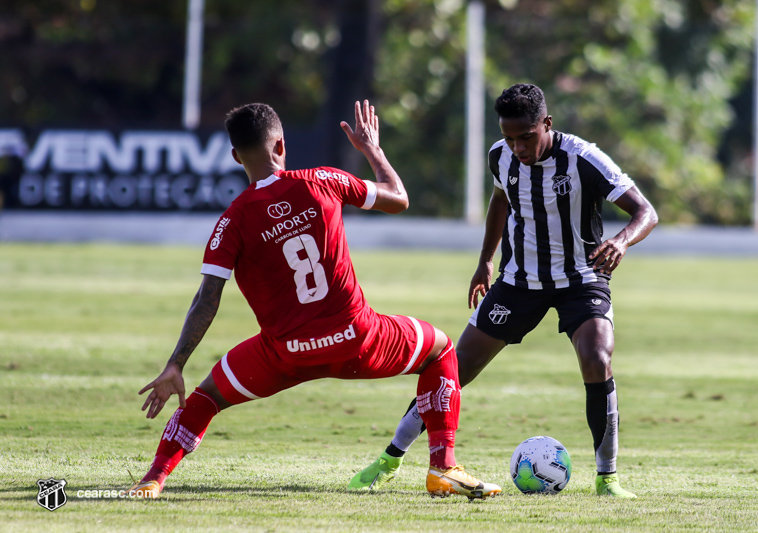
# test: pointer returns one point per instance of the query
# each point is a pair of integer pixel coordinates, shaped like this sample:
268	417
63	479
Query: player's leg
438	403
245	367
403	345
503	317
474	352
593	341
182	435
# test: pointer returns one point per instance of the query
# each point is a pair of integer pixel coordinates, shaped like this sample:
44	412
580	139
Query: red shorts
372	346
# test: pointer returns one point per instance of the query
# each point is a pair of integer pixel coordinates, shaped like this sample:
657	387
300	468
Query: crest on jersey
51	495
499	314
561	184
512	180
282	209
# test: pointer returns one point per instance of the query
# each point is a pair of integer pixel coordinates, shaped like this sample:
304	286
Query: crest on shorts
499	314
51	495
596	301
561	184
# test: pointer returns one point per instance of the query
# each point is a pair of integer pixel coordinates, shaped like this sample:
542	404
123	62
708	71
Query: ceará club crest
561	185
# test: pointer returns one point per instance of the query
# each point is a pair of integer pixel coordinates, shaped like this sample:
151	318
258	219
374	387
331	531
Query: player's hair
249	126
522	100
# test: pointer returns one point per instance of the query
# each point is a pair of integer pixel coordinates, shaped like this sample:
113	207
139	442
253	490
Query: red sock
182	435
438	400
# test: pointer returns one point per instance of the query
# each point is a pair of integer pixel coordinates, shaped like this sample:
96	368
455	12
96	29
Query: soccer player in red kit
284	240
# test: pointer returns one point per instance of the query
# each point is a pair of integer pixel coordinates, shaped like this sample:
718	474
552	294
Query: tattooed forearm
199	318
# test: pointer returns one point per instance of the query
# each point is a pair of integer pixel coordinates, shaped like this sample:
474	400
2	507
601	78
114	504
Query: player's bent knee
595	366
209	386
441	343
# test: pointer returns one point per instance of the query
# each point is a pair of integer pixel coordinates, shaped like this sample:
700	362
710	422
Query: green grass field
83	328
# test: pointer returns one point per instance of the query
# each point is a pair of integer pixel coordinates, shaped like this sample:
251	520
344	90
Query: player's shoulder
497	146
588	151
235	211
315	175
573	144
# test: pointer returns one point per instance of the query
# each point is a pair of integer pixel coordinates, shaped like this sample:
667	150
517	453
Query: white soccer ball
540	465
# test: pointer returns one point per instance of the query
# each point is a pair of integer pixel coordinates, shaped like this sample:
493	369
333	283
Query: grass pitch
83	328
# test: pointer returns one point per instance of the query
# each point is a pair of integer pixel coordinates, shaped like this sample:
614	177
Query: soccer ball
540	465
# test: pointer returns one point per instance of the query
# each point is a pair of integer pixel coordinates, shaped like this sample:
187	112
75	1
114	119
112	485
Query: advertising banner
122	171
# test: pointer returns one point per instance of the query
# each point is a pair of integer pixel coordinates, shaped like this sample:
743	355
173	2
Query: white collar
265	183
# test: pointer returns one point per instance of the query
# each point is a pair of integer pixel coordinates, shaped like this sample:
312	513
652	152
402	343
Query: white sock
605	456
408	430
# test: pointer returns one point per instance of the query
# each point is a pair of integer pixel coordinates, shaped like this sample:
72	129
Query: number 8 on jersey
303	267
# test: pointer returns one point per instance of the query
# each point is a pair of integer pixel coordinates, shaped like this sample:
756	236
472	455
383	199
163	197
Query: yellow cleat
608	485
146	490
443	483
377	474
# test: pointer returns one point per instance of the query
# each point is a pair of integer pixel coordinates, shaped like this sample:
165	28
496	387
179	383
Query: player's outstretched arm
199	318
609	254
497	213
391	196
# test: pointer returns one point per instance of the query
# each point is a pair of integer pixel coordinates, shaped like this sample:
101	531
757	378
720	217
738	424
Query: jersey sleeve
223	247
603	173
346	187
493	159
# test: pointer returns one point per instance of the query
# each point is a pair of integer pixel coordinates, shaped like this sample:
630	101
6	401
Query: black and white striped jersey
554	215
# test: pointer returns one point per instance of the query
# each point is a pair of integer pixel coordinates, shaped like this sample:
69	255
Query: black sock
597	408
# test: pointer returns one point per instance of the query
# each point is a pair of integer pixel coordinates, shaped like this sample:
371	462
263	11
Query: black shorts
508	313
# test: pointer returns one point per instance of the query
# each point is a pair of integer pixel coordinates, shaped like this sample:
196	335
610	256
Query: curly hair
249	126
522	100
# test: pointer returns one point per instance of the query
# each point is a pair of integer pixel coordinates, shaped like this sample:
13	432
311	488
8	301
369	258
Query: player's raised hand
480	283
366	133
163	387
391	196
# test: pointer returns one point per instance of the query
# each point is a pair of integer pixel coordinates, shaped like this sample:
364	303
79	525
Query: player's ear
279	146
236	156
548	123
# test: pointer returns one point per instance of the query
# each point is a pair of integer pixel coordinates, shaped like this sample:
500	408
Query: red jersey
284	239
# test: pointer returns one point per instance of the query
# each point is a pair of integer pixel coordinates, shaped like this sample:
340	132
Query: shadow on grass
187	493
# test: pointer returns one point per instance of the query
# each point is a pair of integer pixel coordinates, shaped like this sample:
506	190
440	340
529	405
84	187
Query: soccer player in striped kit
284	240
545	209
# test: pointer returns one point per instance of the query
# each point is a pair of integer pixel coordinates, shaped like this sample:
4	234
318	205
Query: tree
663	86
652	81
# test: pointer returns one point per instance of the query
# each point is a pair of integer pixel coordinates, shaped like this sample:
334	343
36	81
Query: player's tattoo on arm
201	314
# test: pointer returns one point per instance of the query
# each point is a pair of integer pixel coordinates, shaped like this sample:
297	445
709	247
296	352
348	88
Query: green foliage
117	64
84	327
671	68
420	84
662	86
649	81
